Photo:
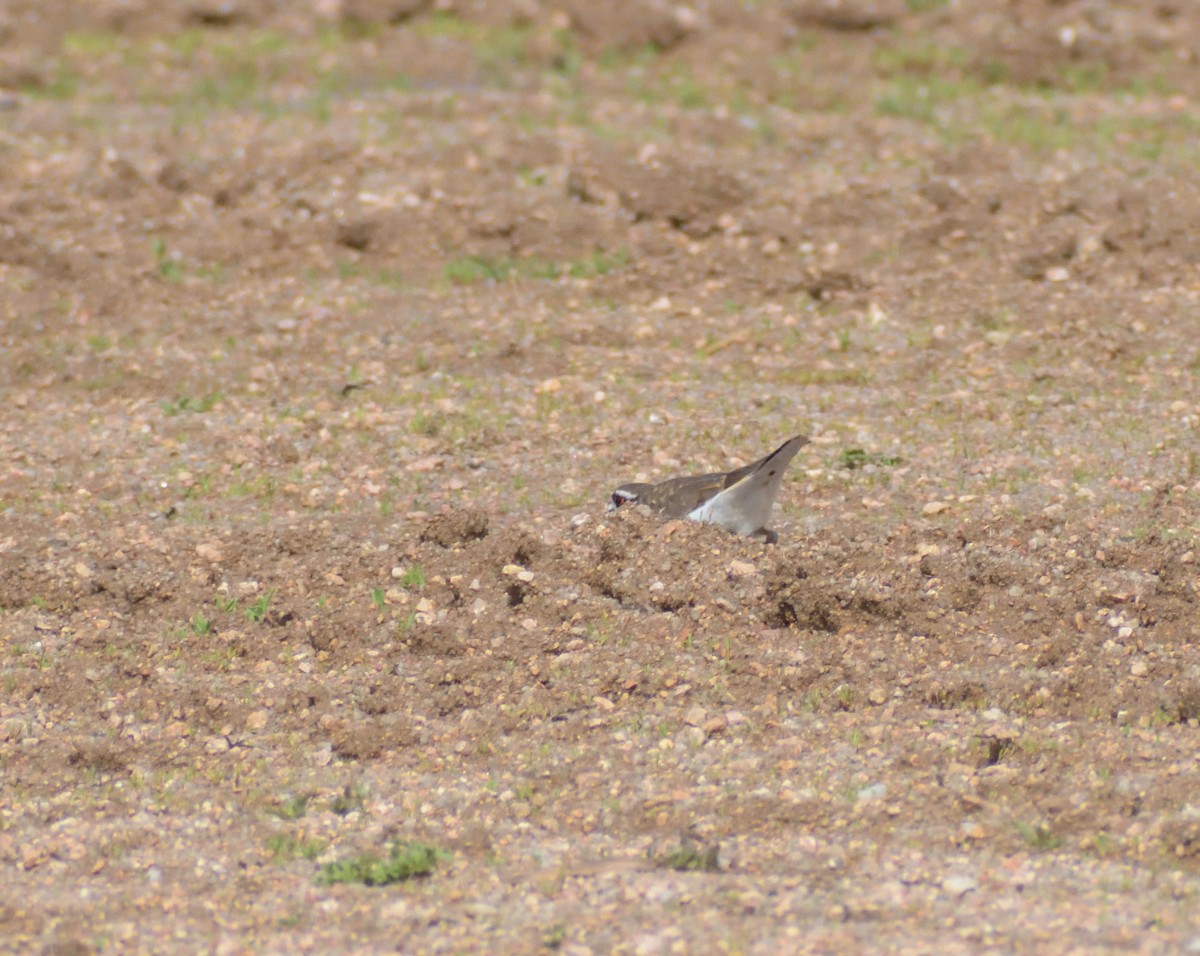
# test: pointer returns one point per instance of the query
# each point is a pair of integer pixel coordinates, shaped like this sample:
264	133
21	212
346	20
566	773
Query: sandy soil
328	328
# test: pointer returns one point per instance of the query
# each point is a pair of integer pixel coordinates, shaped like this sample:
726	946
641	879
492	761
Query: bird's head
623	496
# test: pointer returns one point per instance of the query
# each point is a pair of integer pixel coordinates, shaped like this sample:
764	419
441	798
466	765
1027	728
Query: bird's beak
617	499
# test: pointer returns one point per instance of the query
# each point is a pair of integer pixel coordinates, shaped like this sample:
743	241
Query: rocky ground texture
326	330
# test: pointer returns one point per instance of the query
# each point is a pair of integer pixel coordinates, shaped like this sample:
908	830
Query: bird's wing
781	455
679	497
745	506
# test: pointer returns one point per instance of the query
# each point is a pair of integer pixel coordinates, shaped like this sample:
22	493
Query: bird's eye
618	499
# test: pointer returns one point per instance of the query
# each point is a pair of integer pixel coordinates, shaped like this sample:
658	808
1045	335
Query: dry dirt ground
327	329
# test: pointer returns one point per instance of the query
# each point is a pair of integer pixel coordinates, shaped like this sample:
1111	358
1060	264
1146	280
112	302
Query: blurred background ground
327	329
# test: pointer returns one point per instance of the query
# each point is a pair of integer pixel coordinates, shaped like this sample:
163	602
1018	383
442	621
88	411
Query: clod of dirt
689	196
793	600
1054	251
368	739
523	547
97	756
825	283
120	181
217	13
1181	837
956	694
383	698
847	16
433	642
356	234
645	564
174	176
941	194
630	24
456	527
1183	704
383	11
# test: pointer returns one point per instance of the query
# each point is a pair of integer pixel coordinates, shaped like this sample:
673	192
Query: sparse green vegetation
259	607
63	83
261	486
291	808
672	81
292	299
1103	845
692	856
470	269
498	48
476	269
855	458
285	847
1037	835
168	267
352	798
93	43
388	278
404	861
213	271
426	423
598	264
821	376
187	403
923	98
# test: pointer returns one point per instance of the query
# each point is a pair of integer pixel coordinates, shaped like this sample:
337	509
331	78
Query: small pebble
959	885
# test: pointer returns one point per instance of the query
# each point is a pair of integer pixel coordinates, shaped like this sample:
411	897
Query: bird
740	501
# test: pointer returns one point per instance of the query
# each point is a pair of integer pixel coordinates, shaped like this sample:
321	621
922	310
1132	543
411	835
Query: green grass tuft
186	403
284	847
169	268
257	611
405	861
1039	836
291	808
692	856
854	458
